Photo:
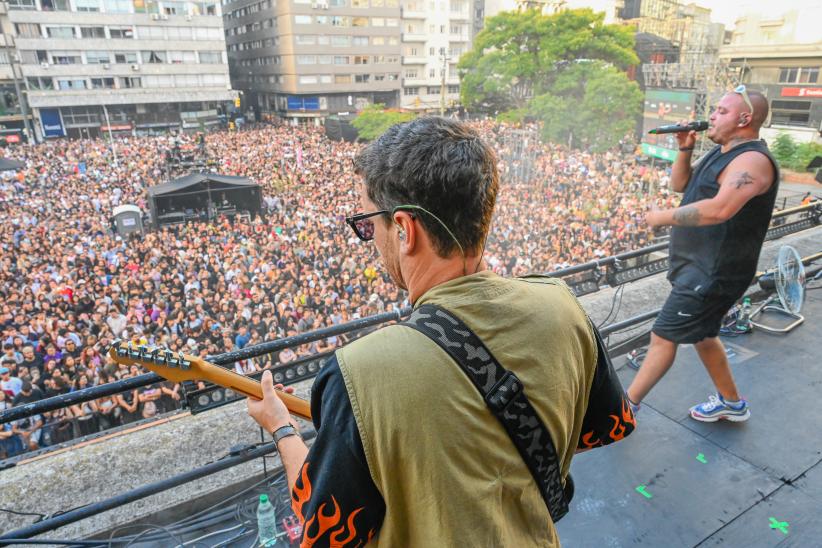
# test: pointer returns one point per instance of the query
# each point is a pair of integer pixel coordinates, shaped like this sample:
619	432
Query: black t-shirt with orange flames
335	498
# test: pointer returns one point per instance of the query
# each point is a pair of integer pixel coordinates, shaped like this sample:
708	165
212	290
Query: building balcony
414	60
415	82
413	14
414	37
459	38
463	15
82	97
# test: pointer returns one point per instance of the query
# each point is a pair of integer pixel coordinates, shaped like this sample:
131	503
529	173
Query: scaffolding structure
709	80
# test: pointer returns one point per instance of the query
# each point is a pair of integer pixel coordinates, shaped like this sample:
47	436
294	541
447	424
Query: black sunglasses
363	225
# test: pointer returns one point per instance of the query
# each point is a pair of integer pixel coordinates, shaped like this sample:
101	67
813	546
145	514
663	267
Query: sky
727	11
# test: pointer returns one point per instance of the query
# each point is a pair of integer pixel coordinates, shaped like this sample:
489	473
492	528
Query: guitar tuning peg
183	363
167	358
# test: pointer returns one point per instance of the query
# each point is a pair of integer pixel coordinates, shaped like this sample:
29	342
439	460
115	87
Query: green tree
562	68
592	104
784	147
374	120
805	152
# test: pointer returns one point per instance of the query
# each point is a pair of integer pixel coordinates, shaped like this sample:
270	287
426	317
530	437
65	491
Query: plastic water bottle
266	522
743	321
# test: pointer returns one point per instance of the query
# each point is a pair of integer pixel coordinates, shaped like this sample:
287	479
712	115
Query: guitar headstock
176	367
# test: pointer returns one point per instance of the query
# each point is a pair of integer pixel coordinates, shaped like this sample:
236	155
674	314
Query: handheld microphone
700	125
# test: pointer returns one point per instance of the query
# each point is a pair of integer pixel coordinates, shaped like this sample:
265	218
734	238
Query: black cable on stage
59	542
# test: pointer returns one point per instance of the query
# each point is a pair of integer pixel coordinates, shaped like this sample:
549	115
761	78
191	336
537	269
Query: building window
22	5
360	59
174	8
453	89
306	59
54	5
790	113
97	57
359	3
66	58
156	33
312	79
40	83
154	57
93	32
60	32
179	33
102	83
117	6
340	59
186	80
433	90
342	78
340	21
799	75
87	5
211	57
130	82
126	57
362	78
411	73
376	22
122	32
340	41
411	91
302	19
305	39
71	84
182	57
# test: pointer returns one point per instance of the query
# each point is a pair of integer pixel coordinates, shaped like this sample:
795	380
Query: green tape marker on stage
641	490
781	525
701	458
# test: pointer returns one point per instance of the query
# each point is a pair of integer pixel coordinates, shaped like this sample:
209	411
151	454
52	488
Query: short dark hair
438	164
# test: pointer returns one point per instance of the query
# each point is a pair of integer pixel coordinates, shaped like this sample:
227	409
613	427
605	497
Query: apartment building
435	34
781	55
306	59
95	67
12	90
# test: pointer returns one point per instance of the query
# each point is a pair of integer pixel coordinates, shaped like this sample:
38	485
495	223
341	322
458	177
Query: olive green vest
446	468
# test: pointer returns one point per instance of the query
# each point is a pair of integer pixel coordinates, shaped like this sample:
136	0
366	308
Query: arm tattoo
687	216
743	179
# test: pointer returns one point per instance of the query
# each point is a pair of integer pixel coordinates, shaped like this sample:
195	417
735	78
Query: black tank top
721	259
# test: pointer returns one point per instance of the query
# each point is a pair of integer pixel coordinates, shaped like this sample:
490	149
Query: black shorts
688	317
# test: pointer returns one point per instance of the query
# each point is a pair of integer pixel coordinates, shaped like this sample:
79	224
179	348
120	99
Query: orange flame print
586	439
301	494
323	523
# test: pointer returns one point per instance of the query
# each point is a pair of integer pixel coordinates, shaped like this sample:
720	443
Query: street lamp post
445	60
21	98
110	136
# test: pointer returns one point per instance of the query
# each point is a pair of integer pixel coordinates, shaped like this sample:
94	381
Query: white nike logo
683	314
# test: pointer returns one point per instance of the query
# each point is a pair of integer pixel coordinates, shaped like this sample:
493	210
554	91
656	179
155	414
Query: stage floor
678	482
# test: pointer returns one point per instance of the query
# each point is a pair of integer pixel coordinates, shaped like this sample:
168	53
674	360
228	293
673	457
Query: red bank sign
802	92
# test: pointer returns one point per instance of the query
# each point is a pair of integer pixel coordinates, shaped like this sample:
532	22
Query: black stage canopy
203	196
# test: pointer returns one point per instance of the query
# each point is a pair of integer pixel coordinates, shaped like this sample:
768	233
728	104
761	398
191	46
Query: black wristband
284	432
685	149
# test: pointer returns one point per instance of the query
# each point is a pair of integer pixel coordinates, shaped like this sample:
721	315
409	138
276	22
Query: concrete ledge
102	469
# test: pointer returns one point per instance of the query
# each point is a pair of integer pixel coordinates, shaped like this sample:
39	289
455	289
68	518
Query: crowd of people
70	285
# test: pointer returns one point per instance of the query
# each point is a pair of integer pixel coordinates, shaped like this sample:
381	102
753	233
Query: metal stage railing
247	453
583	279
